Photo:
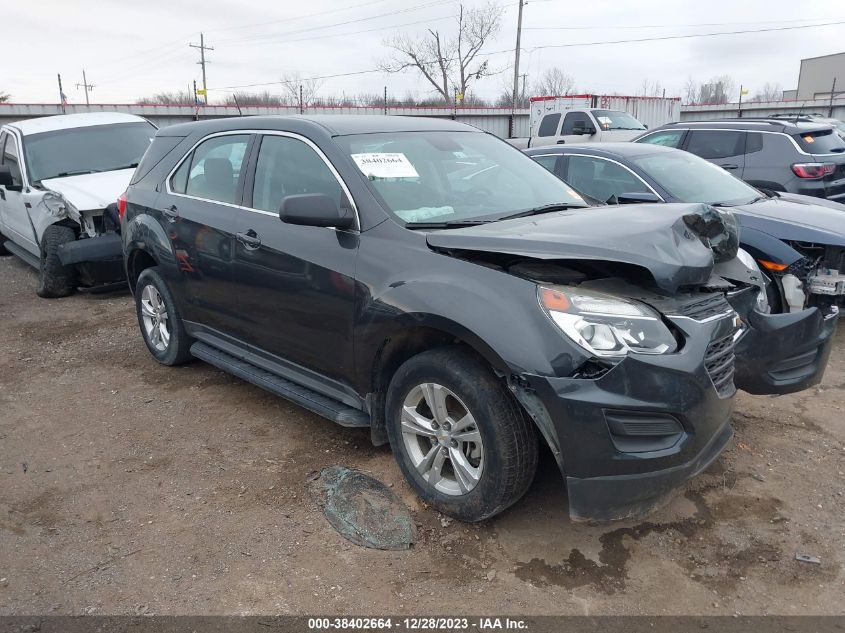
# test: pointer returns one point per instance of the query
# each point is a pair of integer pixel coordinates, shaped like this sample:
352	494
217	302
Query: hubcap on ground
155	318
442	439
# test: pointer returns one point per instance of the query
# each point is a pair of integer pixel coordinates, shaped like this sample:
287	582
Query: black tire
508	436
3	250
54	279
178	348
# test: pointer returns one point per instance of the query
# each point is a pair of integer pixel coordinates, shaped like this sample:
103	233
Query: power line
297	17
665	26
263	39
688	36
331	35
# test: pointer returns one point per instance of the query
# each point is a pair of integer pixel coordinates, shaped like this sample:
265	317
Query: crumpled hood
652	236
91	191
795	219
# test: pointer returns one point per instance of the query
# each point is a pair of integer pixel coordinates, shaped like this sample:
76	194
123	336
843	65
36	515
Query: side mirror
582	127
315	209
6	179
636	197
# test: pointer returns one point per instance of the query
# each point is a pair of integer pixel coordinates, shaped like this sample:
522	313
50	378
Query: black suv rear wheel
159	319
461	440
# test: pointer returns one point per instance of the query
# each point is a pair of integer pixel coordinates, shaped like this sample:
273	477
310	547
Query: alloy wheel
155	318
442	439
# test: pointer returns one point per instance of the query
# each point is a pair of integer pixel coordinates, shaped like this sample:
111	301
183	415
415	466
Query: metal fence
823	107
494	120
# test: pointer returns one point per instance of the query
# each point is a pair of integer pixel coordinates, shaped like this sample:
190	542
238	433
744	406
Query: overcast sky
132	50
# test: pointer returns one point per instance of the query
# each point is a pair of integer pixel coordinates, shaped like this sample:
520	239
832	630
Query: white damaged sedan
59	179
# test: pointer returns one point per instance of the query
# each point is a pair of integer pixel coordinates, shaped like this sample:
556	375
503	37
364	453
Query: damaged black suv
429	282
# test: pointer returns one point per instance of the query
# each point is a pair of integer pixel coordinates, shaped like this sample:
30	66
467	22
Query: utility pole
524	77
739	109
301	101
88	87
385	99
832	92
62	97
202	48
516	66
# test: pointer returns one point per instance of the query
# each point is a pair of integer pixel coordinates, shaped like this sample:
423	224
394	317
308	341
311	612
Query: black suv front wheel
461	440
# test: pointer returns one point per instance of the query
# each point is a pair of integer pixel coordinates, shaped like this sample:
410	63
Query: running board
24	254
304	397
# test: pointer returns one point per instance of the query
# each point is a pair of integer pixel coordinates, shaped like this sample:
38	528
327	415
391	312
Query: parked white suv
58	175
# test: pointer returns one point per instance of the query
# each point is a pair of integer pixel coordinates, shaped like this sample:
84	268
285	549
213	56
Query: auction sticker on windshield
385	165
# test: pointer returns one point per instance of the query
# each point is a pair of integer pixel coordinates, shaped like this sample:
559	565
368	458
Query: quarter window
601	178
548	126
549	162
667	138
287	166
711	144
213	169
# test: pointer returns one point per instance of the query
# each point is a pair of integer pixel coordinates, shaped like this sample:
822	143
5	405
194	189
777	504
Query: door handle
249	239
729	166
171	212
561	142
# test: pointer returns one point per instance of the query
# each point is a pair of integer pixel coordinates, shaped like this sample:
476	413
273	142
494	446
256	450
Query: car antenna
235	98
800	109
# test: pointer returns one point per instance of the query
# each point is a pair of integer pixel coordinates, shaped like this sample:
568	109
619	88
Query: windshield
84	150
820	142
692	179
617	120
452	176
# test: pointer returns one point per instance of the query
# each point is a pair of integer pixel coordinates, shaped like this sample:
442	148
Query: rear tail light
121	206
813	170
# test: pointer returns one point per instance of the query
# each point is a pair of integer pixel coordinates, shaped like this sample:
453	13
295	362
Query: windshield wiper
546	208
80	172
129	166
450	224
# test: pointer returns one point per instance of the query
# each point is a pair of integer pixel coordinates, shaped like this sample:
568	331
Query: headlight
57	205
605	325
762	298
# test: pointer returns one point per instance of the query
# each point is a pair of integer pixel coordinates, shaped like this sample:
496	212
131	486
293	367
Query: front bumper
626	439
99	260
782	353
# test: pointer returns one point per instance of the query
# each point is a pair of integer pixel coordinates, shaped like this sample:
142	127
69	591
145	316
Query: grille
706	307
719	361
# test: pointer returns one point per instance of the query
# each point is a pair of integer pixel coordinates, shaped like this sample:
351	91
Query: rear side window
712	144
287	166
753	142
667	138
548	126
820	142
214	169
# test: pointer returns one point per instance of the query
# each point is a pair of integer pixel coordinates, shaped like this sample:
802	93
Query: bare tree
554	82
448	62
179	97
265	98
4	97
769	92
650	88
291	84
690	90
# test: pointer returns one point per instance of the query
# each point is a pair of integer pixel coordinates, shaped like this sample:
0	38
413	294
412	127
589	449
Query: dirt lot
127	487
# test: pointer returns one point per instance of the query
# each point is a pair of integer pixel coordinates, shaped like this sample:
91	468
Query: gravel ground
131	488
